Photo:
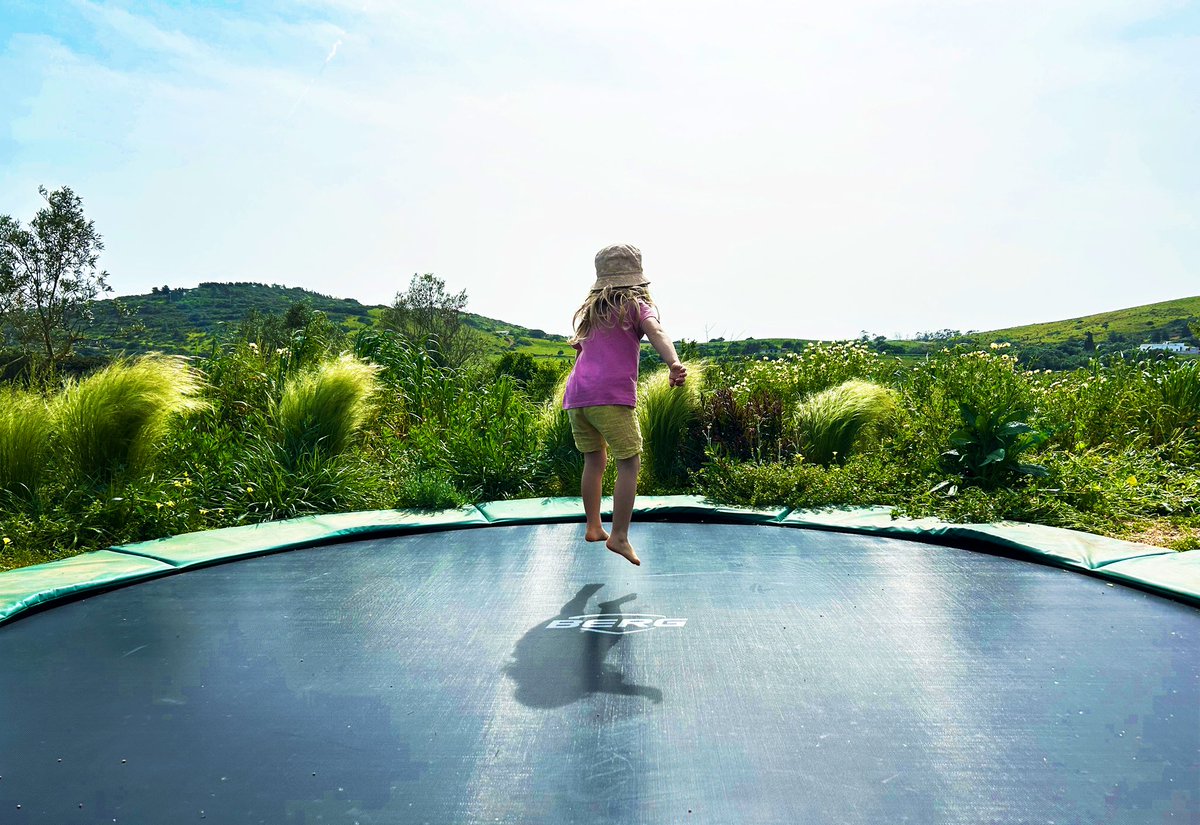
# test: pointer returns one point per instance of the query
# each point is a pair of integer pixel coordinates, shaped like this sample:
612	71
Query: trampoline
516	674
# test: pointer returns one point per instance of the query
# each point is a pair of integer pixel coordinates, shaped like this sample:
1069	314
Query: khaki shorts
611	424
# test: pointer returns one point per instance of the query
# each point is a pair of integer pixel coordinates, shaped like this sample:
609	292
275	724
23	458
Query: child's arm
666	350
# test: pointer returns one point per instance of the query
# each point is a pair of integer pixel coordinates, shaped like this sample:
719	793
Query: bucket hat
619	265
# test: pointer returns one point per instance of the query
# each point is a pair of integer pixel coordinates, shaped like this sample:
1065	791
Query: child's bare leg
624	492
590	487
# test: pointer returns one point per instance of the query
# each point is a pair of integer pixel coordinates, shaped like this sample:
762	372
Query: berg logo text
615	624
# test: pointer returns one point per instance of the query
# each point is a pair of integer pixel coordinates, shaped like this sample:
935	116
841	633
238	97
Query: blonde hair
605	306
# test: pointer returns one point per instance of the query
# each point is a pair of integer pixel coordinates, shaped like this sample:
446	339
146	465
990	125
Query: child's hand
678	374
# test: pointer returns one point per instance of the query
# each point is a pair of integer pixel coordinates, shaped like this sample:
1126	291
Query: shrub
424	489
322	409
829	423
988	446
110	423
487	445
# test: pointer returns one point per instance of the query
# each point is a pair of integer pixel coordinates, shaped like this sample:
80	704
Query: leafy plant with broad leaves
988	446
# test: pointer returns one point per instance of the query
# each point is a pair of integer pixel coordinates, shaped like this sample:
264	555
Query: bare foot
622	547
596	534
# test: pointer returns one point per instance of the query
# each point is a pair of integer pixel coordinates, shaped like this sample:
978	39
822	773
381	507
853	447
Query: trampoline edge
24	590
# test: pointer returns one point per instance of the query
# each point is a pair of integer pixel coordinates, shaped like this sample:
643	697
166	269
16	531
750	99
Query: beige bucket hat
619	265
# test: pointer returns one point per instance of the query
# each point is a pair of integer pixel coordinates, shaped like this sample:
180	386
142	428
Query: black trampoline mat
765	675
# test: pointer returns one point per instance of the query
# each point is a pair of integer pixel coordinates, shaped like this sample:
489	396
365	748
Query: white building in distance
1171	346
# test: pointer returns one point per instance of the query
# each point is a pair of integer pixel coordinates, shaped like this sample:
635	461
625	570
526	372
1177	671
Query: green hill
1164	321
186	321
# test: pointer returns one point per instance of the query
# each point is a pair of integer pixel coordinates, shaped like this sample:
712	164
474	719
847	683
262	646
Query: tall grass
489	446
24	439
666	414
1177	413
829	423
560	464
322	409
110	423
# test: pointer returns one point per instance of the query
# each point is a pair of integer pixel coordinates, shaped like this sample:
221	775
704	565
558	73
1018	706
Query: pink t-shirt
606	369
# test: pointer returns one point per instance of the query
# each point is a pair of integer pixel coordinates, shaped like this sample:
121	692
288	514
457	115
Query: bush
829	423
110	423
322	409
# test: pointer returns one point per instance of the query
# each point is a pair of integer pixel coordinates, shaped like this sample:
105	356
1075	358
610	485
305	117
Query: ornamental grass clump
322	409
24	441
829	424
666	415
111	423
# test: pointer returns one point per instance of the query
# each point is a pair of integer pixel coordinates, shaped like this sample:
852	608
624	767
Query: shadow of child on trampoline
553	668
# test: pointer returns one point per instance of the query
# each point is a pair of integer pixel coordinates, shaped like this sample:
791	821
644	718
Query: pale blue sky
788	169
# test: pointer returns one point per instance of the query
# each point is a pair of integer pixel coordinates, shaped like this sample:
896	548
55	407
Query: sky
788	169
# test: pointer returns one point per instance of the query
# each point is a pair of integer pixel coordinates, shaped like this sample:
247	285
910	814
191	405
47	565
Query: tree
48	275
430	318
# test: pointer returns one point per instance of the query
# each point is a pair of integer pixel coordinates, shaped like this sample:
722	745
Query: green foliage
1176	415
428	317
110	423
819	366
864	478
322	409
426	489
487	446
48	276
752	484
1122	451
559	463
667	417
24	442
312	482
538	378
988	446
829	423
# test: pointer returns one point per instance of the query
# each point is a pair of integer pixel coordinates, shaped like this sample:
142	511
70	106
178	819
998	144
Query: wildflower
203	512
249	491
170	503
1131	481
158	505
253	346
7	541
178	483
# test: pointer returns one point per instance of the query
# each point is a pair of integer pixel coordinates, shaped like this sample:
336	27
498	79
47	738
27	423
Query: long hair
606	307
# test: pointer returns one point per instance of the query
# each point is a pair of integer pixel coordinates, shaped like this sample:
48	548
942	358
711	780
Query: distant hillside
187	320
1164	321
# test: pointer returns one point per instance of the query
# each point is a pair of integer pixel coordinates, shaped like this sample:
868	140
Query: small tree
430	318
48	276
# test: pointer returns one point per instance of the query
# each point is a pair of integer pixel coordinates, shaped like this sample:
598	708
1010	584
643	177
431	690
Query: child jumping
601	391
